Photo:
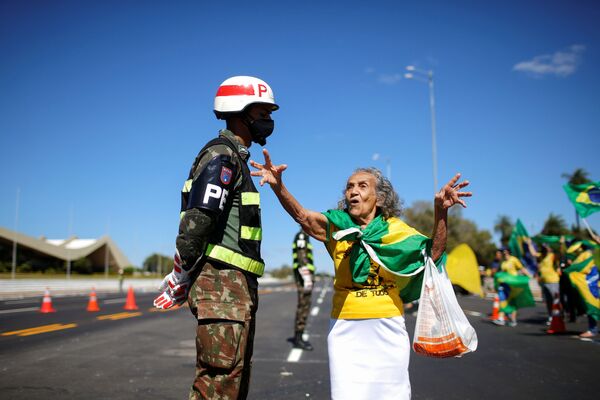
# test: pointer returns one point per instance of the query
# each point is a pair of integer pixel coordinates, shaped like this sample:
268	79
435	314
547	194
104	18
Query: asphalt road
118	354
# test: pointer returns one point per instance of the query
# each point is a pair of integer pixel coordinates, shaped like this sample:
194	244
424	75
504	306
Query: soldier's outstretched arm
313	223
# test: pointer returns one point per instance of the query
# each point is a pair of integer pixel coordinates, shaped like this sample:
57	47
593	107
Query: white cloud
385	79
562	63
389	79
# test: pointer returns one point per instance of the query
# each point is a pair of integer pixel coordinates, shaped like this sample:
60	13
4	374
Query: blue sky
104	106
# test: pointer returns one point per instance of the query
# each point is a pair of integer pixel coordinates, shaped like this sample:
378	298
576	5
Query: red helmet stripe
236	90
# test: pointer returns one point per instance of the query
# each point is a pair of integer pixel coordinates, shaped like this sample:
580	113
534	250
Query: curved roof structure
72	248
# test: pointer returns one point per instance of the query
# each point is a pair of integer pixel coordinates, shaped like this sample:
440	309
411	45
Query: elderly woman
378	261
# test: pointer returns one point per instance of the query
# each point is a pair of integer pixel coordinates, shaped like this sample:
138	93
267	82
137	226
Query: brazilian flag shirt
512	265
376	268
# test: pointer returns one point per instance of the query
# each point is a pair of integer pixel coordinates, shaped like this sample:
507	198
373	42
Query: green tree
420	216
283	272
578	177
157	263
460	230
555	225
504	227
83	266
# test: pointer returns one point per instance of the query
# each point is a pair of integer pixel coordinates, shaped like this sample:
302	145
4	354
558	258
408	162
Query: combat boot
300	343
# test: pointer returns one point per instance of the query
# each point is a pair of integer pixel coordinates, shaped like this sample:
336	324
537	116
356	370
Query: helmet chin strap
248	122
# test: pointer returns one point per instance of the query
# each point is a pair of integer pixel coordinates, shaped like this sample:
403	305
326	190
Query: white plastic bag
442	329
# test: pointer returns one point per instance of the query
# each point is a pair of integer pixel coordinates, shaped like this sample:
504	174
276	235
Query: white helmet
238	92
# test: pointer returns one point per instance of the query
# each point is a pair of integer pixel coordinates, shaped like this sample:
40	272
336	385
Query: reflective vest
238	233
302	244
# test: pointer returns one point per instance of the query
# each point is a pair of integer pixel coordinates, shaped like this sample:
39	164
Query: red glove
175	286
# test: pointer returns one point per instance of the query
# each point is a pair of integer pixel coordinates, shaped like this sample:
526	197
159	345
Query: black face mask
261	129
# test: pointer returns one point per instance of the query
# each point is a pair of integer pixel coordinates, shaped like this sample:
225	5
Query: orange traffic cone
93	303
557	325
130	302
47	303
496	308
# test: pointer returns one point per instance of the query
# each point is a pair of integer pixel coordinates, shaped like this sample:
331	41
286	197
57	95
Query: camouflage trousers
225	301
303	307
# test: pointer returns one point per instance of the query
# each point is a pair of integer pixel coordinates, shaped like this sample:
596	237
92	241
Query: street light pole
388	165
13	272
429	74
433	139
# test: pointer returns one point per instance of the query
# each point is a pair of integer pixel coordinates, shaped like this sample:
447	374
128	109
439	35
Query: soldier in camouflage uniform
304	274
217	260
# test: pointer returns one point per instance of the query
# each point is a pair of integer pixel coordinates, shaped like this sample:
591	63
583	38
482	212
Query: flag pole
590	231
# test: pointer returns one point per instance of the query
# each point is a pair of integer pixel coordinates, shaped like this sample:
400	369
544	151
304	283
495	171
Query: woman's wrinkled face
361	197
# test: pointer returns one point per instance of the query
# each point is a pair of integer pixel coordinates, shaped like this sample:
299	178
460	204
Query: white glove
175	286
306	278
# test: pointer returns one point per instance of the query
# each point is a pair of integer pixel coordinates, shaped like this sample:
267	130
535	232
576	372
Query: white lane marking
319	300
314	311
113	301
474	313
294	355
26	301
16	310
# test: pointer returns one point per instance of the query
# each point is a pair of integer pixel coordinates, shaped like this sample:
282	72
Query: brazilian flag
515	291
517	238
391	243
585	197
583	274
520	249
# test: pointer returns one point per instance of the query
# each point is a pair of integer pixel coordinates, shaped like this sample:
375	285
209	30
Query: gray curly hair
391	205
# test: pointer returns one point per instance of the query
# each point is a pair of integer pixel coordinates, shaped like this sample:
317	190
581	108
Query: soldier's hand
175	287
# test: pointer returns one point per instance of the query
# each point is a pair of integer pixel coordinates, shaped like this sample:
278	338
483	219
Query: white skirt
368	359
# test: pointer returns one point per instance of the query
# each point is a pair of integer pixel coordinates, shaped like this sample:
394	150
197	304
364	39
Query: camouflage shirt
196	224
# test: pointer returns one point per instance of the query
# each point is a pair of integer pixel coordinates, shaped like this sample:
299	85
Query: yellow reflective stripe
187	186
250	199
309	266
231	257
181	214
251	233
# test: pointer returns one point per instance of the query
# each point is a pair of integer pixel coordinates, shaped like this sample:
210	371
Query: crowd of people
566	271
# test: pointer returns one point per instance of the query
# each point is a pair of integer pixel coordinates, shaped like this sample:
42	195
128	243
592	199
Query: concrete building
42	254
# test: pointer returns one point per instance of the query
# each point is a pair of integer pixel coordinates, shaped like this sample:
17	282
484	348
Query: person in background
570	300
513	267
497	262
583	274
549	278
304	275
